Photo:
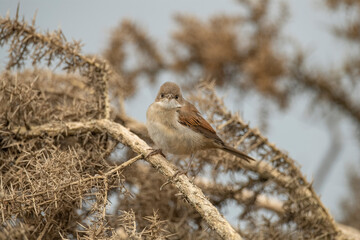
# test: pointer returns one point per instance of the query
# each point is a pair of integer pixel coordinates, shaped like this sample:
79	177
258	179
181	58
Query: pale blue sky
301	134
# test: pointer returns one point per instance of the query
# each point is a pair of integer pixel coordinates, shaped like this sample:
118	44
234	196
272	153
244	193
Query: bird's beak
170	102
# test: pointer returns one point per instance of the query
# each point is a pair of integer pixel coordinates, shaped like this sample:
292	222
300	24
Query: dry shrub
49	98
45	180
60	183
53	187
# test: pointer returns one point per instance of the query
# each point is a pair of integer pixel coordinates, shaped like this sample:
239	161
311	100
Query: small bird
176	126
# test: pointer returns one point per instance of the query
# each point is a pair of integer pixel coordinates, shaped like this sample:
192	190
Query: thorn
34	18
17	11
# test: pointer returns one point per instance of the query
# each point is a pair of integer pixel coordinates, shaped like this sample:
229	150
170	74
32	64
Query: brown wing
190	117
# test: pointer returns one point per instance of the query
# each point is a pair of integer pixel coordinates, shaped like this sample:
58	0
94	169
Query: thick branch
191	192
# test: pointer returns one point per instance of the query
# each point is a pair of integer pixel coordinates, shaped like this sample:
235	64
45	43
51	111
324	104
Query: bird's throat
169	104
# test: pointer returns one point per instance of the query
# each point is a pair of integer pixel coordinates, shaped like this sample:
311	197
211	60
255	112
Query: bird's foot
179	172
154	152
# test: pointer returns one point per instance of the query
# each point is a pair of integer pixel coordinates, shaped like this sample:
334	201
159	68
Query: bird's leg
188	167
154	152
179	172
190	162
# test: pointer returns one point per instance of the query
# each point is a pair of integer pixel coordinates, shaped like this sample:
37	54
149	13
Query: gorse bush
75	166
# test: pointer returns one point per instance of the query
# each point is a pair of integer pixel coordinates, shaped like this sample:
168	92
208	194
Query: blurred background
294	75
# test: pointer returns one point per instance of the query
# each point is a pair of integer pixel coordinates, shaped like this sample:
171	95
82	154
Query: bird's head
169	96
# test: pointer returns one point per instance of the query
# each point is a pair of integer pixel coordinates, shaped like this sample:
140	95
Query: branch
349	232
332	154
325	87
192	193
261	201
242	196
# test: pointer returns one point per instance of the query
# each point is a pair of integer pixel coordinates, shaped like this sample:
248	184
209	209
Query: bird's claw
179	172
154	152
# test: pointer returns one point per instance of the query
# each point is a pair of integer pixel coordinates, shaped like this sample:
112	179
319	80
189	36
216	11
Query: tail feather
237	153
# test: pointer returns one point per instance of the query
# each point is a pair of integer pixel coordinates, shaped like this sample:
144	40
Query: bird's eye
176	96
162	95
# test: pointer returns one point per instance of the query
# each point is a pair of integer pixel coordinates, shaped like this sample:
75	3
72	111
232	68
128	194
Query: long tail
237	153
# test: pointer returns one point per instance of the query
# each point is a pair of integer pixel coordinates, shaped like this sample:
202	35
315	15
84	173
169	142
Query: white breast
168	134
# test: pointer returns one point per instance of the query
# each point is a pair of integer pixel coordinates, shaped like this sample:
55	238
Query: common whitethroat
176	126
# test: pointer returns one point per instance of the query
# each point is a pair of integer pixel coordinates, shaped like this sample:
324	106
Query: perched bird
176	126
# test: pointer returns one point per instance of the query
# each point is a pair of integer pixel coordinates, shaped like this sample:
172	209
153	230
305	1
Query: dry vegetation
74	166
